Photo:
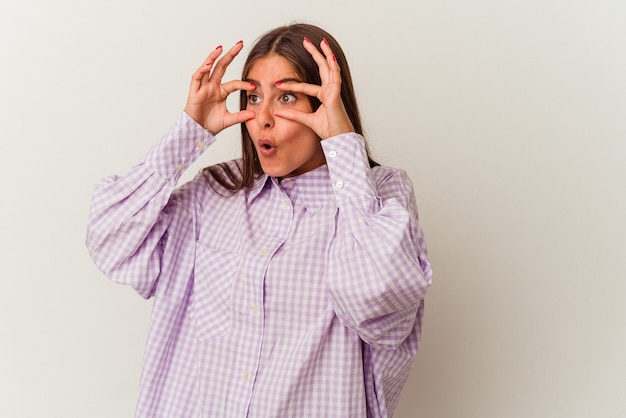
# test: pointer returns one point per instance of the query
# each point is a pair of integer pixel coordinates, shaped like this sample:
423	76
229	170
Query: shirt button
246	375
180	167
289	184
265	251
200	144
339	184
332	154
253	310
285	206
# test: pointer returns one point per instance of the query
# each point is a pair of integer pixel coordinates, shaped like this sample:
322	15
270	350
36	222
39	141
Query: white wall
509	117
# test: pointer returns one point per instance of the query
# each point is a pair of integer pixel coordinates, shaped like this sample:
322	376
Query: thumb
238	117
296	116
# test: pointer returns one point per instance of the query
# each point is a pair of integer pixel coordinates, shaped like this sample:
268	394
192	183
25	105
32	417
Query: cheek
250	128
296	131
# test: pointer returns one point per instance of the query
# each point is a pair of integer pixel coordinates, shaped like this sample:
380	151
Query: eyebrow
284	80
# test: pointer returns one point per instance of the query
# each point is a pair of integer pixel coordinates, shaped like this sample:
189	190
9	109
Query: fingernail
334	58
307	39
240	42
325	41
218	47
278	83
253	85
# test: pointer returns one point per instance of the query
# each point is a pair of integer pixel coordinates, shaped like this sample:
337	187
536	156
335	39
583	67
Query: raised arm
132	216
379	269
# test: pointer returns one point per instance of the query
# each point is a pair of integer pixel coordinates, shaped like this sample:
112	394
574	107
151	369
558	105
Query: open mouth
266	147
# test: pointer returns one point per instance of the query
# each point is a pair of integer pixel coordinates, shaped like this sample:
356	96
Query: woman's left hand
331	117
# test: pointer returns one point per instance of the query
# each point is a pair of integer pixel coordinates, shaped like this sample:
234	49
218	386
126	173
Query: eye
254	99
287	98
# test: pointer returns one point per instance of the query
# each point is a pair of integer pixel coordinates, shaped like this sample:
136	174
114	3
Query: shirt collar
313	187
260	183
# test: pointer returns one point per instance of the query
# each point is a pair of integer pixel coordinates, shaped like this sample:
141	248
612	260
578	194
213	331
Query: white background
510	118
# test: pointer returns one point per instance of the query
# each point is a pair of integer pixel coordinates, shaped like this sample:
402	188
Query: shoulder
210	182
391	177
229	169
395	183
225	178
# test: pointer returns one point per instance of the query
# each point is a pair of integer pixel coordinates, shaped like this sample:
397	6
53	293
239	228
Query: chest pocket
213	277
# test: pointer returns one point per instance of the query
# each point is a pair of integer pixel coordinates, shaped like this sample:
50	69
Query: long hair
286	41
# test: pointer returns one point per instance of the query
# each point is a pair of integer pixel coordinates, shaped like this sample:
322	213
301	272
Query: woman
288	283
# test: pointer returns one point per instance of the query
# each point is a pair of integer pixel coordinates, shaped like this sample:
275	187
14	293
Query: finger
224	62
235	85
331	59
210	62
305	88
238	117
303	118
319	59
205	68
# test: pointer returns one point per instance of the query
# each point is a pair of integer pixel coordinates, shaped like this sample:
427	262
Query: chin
274	172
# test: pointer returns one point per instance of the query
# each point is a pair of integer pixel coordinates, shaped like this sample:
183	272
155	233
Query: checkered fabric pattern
294	298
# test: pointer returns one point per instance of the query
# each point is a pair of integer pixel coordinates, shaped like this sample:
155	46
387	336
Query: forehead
272	67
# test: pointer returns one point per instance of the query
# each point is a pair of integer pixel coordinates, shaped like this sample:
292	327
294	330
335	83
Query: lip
266	147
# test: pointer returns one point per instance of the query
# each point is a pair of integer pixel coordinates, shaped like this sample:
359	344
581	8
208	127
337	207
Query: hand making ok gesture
206	102
330	118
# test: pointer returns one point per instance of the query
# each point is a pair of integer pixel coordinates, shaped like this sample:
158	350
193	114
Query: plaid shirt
299	298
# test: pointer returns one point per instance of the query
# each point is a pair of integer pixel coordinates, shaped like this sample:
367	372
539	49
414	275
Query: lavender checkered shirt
300	298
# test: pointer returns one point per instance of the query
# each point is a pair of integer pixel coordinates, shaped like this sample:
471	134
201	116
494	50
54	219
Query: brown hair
286	41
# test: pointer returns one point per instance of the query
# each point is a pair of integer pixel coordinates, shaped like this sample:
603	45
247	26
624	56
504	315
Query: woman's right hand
206	102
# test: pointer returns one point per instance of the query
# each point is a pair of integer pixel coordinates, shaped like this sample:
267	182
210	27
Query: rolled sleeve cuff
348	165
179	148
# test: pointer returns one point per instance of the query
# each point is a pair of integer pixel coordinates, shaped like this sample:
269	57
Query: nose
265	116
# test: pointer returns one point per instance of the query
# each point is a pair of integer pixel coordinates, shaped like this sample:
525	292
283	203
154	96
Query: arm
132	216
379	270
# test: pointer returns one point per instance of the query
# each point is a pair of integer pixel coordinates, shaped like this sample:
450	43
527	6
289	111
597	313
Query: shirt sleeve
128	217
379	269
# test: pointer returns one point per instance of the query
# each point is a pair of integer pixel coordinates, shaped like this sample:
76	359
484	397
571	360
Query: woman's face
285	148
